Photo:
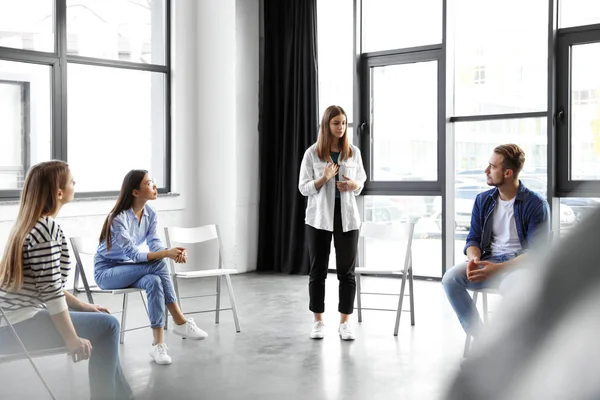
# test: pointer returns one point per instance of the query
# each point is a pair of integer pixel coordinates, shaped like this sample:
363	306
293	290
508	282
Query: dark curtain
288	126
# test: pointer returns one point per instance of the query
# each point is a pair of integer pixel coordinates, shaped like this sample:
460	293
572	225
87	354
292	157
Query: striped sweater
46	266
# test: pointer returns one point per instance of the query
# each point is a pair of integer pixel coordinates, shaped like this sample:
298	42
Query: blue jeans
455	284
102	330
153	276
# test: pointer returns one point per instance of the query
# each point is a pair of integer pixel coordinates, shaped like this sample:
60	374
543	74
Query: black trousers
346	248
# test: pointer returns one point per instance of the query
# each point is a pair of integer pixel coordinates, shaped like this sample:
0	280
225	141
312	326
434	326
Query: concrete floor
273	357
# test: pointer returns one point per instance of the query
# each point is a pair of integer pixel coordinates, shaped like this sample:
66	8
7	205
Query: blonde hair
38	198
325	137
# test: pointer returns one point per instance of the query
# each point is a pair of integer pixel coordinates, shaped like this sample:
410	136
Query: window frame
58	61
566	38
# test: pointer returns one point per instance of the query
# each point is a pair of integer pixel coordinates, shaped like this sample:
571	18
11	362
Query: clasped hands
331	170
178	254
479	271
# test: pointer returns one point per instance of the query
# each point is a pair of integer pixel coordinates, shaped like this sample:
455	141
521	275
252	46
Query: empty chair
87	246
399	237
200	235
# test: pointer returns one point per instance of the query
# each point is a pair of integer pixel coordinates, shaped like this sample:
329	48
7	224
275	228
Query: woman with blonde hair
33	272
332	211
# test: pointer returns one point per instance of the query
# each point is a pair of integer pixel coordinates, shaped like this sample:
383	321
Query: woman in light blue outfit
119	262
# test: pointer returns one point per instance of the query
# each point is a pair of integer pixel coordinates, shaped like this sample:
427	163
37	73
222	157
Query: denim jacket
531	219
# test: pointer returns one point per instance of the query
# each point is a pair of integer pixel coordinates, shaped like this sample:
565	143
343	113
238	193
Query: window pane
578	12
27	24
404	122
585	112
500	67
427	242
475	143
395	24
25	120
128	30
336	54
120	114
575	209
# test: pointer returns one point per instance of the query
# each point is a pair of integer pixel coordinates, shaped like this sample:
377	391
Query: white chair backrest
395	232
84	249
192	235
399	237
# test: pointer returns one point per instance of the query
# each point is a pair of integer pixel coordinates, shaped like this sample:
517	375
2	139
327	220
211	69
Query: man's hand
481	270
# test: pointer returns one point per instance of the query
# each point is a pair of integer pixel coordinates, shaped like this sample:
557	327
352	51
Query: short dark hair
514	157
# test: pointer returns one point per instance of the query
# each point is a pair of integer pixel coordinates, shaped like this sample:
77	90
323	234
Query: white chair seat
206	273
370	271
96	289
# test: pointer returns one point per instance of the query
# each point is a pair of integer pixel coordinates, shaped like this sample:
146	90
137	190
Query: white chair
484	292
30	355
200	235
87	246
396	234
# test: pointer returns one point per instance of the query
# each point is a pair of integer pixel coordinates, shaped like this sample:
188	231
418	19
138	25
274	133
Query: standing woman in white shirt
331	176
33	272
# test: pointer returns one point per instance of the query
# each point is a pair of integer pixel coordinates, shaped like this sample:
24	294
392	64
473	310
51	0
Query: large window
336	57
500	56
87	82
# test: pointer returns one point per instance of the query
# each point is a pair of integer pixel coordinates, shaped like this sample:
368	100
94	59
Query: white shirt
321	203
505	239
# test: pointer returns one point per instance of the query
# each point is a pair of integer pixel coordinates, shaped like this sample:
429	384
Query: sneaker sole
160	363
347	339
184	336
319	337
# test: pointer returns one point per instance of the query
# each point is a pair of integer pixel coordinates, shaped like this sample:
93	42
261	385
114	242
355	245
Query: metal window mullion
59	84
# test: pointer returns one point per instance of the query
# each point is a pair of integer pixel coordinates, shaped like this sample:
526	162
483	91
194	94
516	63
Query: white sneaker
345	331
190	330
317	331
159	354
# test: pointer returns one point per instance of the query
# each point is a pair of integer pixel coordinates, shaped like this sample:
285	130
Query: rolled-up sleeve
152	239
44	261
121	239
306	181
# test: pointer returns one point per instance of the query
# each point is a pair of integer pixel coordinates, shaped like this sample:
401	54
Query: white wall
215	131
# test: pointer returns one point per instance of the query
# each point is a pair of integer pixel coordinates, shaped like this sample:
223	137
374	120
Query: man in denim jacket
506	221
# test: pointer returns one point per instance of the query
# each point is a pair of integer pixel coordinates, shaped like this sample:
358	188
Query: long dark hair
131	182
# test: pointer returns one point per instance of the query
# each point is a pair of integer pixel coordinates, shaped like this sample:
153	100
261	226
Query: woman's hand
330	170
182	259
347	186
79	348
86	307
175	253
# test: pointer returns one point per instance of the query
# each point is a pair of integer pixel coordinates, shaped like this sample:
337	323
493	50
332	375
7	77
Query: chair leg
218	306
485	308
123	319
358	299
467	346
399	311
412	297
469	337
232	301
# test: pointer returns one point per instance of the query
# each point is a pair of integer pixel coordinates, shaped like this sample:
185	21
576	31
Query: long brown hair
131	182
38	198
326	138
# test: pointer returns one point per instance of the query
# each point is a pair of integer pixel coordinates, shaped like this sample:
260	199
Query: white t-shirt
505	239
